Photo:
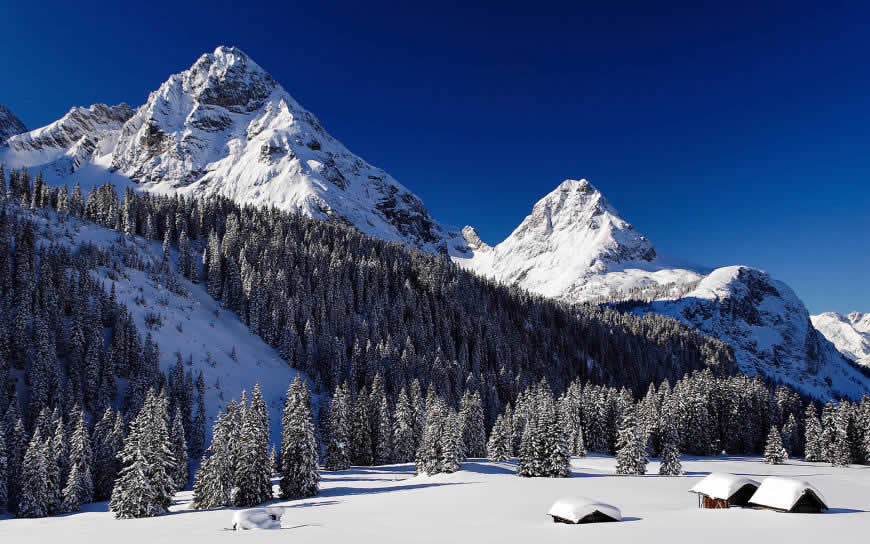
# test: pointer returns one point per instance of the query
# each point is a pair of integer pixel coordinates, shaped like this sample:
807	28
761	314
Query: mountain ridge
226	127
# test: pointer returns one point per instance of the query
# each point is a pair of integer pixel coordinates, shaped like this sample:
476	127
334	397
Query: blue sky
728	135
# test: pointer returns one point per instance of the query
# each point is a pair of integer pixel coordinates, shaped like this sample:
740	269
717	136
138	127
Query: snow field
485	502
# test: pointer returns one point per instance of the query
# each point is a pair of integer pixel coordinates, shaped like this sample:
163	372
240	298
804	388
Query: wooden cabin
576	510
721	490
788	495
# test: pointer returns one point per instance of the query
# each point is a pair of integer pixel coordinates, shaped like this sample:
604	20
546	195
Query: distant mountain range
225	126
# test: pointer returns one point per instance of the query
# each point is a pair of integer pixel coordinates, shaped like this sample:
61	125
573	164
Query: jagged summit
572	239
226	126
9	124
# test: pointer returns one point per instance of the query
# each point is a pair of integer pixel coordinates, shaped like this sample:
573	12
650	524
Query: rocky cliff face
9	124
850	334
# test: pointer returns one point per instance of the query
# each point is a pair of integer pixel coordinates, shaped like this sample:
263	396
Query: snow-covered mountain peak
849	333
575	246
577	214
9	124
226	126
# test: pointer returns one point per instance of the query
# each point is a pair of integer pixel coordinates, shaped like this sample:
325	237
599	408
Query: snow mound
258	518
720	485
583	510
784	493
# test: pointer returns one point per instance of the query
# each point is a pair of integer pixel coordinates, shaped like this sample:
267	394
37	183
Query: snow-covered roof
574	509
720	485
783	493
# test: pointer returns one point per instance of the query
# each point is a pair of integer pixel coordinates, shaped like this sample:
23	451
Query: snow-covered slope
769	328
575	247
194	324
225	126
9	124
487	502
850	334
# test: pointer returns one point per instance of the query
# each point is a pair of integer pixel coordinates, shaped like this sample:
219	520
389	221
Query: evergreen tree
144	486
253	474
338	442
498	448
299	476
813	432
108	440
79	487
361	433
213	483
196	444
4	476
429	458
404	436
774	451
473	428
34	497
670	463
630	447
180	472
789	435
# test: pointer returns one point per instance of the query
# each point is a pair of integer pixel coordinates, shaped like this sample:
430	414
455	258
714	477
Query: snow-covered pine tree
630	448
670	462
530	462
403	437
214	481
789	435
361	433
555	446
299	476
253	479
79	488
813	435
452	447
339	434
428	460
498	447
181	471
144	485
384	435
34	496
4	468
473	427
109	439
774	451
841	449
196	443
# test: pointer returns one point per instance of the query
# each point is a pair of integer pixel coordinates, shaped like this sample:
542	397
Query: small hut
788	495
720	490
583	510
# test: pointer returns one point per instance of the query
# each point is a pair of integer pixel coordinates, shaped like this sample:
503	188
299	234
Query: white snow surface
720	485
850	333
783	493
574	509
487	502
193	324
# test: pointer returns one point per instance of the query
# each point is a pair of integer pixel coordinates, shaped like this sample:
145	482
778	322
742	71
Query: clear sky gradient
729	135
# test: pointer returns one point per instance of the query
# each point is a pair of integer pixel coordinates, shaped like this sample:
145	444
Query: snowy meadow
486	502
